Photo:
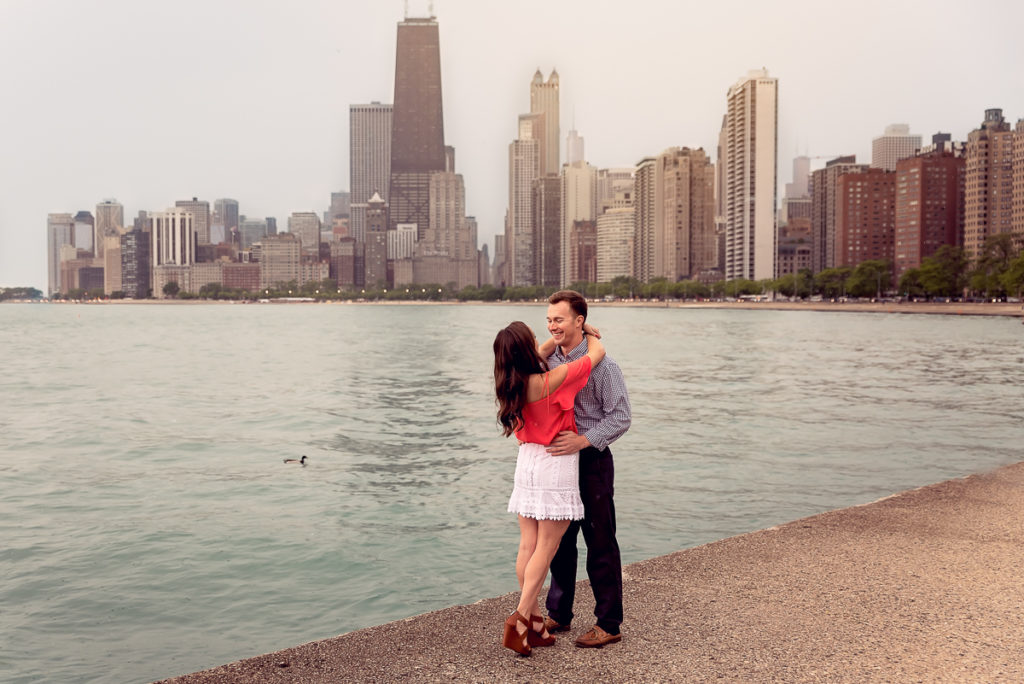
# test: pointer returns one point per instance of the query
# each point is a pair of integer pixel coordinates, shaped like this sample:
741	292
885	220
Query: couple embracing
565	401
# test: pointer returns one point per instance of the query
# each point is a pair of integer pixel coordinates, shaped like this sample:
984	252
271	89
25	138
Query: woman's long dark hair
515	360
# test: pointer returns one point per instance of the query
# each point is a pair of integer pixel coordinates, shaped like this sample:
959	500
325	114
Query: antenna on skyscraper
406	15
430	9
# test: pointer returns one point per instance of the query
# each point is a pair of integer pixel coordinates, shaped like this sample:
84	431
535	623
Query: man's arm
618	415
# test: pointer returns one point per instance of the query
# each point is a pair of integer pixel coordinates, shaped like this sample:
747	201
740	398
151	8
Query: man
602	416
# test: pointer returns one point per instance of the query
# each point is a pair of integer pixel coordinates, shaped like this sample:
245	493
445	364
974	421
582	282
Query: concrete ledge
926	585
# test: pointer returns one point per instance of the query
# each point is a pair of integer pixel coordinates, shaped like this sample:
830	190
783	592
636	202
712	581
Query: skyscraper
865	217
989	196
417	134
173	238
751	134
646	211
573	147
579	230
109	223
675	217
547	230
895	144
824	202
85	231
615	242
200	218
929	206
376	251
135	269
60	230
523	169
544	101
172	249
225	215
370	130
306	225
280	261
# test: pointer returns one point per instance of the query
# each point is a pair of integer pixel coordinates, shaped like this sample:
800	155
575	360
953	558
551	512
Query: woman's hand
591	330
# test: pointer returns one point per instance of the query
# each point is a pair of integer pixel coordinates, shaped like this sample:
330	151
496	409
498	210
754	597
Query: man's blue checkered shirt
602	406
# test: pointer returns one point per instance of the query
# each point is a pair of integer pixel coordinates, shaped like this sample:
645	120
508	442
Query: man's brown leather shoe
553	626
596	638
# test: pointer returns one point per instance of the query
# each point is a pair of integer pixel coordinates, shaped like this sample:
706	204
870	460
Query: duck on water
300	461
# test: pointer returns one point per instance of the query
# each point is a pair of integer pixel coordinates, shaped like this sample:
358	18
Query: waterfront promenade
926	585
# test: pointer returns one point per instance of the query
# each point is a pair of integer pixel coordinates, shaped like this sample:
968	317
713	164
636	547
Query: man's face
565	327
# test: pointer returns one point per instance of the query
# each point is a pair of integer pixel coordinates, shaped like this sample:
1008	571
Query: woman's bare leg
548	536
527	545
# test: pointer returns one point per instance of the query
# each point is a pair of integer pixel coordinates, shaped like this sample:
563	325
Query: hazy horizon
150	104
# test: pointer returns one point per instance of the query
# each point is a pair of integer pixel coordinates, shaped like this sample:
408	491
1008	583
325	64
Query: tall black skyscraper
417	134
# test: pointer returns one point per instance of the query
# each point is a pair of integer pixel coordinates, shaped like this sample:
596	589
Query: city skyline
75	138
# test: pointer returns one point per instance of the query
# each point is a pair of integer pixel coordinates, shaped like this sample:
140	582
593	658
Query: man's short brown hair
577	302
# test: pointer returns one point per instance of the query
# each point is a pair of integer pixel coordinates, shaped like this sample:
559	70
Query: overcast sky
150	102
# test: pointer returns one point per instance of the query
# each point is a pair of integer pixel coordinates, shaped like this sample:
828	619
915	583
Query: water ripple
150	527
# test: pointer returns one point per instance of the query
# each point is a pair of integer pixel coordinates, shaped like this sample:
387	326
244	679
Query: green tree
210	291
172	289
910	283
831	282
786	285
19	293
689	289
625	287
944	273
995	258
1013	278
869	279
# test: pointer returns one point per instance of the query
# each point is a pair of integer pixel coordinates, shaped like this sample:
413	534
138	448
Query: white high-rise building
306	225
800	187
895	144
647	210
544	101
60	229
369	159
613	187
579	203
615	243
750	134
172	238
573	147
523	169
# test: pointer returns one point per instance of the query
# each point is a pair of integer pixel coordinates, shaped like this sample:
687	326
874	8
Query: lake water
148	526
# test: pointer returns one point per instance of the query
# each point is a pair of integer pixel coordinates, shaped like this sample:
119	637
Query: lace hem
545	504
547	517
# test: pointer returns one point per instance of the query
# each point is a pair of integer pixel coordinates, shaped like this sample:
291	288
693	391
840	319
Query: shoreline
922	585
1005	309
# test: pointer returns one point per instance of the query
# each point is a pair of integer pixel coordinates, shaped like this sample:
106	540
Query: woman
536	404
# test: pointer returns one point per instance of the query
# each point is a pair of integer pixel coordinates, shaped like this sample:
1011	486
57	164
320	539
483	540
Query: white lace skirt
546	487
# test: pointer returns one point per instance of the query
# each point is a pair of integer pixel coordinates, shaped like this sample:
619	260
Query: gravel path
926	585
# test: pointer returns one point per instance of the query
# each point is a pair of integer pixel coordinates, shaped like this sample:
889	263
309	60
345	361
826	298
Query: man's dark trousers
604	566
